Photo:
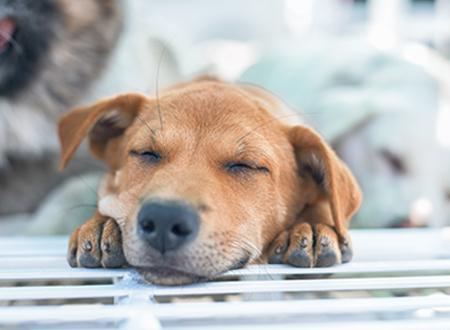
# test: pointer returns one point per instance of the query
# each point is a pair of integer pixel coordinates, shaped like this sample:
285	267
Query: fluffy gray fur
59	48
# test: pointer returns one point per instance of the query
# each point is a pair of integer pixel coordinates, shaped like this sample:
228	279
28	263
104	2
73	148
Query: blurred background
372	77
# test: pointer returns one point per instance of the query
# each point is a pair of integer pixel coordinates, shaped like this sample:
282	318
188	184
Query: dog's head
203	178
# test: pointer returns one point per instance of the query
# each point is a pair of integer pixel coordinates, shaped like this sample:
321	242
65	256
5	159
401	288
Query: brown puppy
205	179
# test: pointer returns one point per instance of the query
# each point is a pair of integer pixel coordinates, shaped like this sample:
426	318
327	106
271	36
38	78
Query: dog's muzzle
167	225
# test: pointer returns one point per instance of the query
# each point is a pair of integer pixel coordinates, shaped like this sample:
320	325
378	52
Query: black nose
167	225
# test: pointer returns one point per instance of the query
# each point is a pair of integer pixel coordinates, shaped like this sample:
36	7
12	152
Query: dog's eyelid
149	155
240	166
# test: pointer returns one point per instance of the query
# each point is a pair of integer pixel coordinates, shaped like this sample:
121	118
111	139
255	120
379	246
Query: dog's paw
97	243
310	245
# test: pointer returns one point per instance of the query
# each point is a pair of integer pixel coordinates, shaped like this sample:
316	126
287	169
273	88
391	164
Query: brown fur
293	206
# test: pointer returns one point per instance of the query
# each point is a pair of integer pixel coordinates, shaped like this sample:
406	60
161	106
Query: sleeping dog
206	178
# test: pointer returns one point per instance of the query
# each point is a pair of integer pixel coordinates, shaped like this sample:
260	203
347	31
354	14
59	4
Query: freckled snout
167	225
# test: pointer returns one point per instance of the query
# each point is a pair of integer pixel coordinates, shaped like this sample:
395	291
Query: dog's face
201	180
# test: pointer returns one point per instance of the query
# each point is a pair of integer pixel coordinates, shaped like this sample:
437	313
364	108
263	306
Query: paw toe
112	256
327	257
113	260
278	248
72	251
346	250
300	253
72	257
276	259
326	248
88	260
299	258
112	253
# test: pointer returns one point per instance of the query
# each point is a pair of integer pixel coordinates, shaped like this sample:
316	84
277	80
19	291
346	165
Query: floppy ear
102	121
316	159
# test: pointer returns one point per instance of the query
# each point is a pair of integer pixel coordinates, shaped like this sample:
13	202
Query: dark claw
323	241
88	246
112	256
106	247
345	240
277	255
304	242
278	249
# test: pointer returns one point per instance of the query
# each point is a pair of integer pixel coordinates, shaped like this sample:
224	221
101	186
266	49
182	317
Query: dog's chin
163	275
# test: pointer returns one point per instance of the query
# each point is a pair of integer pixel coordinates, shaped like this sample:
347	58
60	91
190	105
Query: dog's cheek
130	241
273	222
136	251
132	247
111	206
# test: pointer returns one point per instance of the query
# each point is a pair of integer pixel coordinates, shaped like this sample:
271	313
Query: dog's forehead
209	115
211	107
216	101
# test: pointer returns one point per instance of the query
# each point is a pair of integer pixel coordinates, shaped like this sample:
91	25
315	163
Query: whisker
275	119
92	163
151	132
72	208
13	42
264	124
80	176
157	80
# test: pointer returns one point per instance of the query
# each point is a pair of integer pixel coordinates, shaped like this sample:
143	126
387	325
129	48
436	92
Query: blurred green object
341	82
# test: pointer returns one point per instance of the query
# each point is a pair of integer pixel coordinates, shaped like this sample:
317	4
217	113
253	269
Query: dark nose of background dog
167	225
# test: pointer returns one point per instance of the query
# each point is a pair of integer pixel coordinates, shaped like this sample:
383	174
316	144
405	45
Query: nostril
148	226
180	230
167	225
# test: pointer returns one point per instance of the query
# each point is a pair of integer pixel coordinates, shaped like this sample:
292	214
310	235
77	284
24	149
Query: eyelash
150	157
241	167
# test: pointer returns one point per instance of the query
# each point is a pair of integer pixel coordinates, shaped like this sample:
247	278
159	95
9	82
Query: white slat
223	288
224	310
254	270
436	324
420	264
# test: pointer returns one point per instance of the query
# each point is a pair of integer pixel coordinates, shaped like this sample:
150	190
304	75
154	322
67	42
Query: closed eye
147	156
241	167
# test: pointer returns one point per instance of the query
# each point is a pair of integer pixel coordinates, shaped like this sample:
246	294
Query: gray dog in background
51	52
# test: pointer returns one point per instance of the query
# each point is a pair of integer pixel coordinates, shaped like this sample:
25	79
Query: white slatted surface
399	279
